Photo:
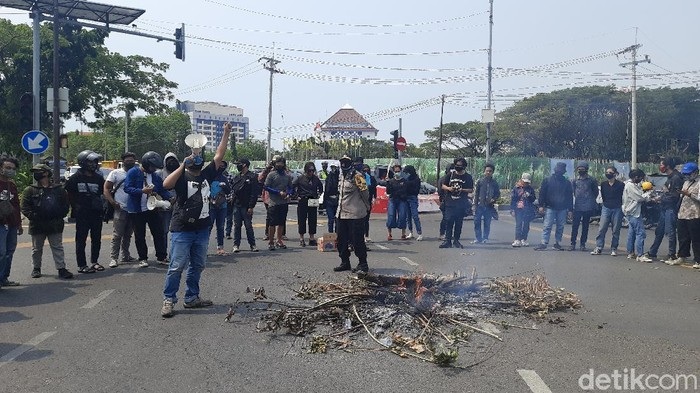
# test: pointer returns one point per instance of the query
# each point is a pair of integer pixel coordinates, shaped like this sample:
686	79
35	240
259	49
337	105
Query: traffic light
180	43
394	139
26	112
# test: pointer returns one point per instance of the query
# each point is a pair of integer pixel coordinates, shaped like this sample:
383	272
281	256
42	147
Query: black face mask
610	175
240	167
39	175
172	165
459	168
582	173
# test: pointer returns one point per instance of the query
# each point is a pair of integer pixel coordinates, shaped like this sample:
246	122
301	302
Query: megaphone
196	142
153	202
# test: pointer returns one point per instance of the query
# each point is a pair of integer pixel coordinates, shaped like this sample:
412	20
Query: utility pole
489	92
270	65
633	63
439	157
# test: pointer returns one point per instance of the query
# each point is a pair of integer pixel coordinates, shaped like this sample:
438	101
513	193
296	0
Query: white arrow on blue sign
35	142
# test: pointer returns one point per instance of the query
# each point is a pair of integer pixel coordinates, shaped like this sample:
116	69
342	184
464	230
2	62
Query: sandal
86	269
389	238
302	243
98	267
281	245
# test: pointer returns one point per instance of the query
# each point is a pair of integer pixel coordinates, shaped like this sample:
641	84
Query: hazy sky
391	59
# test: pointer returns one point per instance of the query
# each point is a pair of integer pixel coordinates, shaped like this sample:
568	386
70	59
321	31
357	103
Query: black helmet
152	159
88	159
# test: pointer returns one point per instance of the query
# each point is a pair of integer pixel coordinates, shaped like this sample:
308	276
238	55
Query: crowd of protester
184	203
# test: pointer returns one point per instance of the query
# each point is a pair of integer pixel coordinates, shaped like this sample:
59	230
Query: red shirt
10	188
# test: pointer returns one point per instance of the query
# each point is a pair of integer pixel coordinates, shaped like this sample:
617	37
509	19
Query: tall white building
208	119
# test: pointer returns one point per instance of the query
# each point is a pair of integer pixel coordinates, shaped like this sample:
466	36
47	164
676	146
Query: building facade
346	123
208	119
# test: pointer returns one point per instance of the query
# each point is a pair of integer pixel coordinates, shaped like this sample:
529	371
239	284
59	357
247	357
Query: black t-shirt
458	182
85	194
194	189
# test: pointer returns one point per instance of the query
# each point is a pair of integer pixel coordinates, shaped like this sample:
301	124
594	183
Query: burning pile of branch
427	317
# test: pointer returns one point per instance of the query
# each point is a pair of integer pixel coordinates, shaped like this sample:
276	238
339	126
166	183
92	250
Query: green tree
97	78
252	149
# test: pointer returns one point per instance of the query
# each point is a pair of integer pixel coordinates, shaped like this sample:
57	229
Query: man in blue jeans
632	198
556	200
611	192
486	193
189	227
669	203
585	190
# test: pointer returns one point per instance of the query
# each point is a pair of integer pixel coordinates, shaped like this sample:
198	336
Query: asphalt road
103	332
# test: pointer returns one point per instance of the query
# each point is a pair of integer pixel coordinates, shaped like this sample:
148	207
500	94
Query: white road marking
533	381
382	247
25	347
102	296
410	262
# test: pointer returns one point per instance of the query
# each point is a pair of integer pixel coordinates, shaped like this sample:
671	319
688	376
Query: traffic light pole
56	120
36	76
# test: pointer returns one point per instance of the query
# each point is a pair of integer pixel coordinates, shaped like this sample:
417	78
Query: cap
526	177
41	168
345	158
582	164
280	159
689	168
243	161
276	157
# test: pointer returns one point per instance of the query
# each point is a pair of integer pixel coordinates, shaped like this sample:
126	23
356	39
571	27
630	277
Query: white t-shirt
117	177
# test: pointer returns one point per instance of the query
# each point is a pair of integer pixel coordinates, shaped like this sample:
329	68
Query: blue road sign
35	142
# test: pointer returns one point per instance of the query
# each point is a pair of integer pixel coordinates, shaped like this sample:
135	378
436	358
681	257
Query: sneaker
583	248
266	238
65	274
445	244
235	249
113	263
220	251
475	241
198	303
696	265
613	252
36	273
253	248
167	310
516	243
540	247
271	247
649	255
675	262
441	237
524	243
571	248
129	259
457	244
484	241
313	243
343	267
644	258
164	262
8	283
285	238
669	258
228	237
368	240
631	256
409	236
557	247
143	263
596	251
420	237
